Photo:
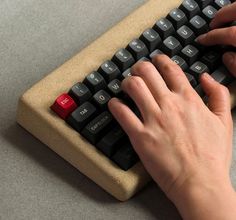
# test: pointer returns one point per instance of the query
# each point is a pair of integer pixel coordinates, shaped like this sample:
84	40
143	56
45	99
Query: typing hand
184	145
223	36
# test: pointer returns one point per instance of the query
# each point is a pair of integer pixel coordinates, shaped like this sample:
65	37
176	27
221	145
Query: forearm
205	202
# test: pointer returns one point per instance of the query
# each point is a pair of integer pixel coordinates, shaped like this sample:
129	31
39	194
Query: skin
185	145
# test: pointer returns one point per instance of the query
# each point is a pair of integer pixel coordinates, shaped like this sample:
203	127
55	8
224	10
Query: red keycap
64	105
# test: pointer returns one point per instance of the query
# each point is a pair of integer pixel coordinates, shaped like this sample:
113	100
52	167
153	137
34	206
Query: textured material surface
35	182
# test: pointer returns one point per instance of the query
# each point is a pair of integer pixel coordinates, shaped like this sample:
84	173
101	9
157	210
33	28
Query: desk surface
35	38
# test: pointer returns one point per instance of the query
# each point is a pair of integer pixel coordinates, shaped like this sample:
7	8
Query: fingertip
228	58
206	78
212	25
112	102
201	38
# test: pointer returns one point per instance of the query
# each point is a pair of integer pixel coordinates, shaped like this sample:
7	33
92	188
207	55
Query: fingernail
201	37
208	77
228	58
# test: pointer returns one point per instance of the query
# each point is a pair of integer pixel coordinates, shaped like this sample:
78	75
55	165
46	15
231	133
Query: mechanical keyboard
67	110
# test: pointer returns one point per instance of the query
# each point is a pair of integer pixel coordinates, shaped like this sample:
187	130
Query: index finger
223	16
222	36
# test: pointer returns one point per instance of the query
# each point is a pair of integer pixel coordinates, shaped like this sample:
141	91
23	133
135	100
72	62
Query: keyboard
67	110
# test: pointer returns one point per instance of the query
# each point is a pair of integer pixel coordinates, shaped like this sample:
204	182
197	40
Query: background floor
35	38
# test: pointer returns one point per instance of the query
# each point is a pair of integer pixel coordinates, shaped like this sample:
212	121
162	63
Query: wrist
202	199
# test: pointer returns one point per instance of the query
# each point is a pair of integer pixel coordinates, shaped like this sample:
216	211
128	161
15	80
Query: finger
224	36
138	91
151	77
218	97
173	75
225	15
125	117
229	60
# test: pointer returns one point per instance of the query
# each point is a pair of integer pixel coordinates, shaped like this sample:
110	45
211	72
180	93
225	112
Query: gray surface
35	183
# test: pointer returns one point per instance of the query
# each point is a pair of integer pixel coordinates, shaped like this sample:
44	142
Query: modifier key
81	116
125	157
111	142
99	126
222	76
63	106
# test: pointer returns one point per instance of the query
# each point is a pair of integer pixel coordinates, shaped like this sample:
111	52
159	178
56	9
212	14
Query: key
218	4
222	76
112	141
144	59
212	59
151	38
171	46
138	49
209	13
185	35
63	106
123	59
155	53
198	25
125	157
101	98
233	24
80	93
191	79
164	28
200	91
197	69
204	3
190	54
109	70
199	46
126	73
190	8
95	81
114	87
99	126
81	116
177	18
180	61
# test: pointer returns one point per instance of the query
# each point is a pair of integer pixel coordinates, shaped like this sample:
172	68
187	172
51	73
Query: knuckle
190	96
141	68
175	105
132	83
147	136
170	67
224	90
159	58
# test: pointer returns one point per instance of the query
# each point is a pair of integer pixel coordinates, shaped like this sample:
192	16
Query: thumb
218	97
229	60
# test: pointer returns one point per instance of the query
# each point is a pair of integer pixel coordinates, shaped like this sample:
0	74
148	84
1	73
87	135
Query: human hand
223	36
184	145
